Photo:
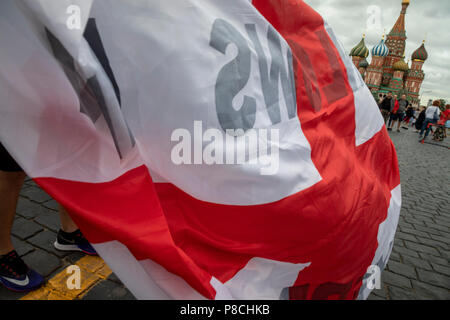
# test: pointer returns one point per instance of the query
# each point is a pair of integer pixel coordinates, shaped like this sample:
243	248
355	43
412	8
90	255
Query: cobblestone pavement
419	265
418	268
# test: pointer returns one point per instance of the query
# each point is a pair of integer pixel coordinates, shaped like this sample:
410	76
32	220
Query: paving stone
415	232
22	247
401	294
50	220
42	262
404	251
29	209
36	194
405	236
422	248
398	242
6	294
444	254
444	239
433	243
438	260
24	229
382	292
416	262
375	297
394	279
45	241
73	257
434	278
52	204
30	182
108	290
395	257
113	277
438	227
405	226
427	291
441	269
428	230
402	269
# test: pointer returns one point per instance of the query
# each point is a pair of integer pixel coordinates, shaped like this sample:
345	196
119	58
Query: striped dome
420	54
401	66
380	50
363	63
360	50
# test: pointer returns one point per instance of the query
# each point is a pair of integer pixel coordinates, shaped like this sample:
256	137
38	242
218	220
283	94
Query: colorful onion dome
363	63
420	54
401	66
360	50
380	50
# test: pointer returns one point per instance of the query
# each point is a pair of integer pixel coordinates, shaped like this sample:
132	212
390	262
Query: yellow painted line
92	271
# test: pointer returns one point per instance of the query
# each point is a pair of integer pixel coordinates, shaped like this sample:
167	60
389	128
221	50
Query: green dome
420	54
360	50
400	66
363	64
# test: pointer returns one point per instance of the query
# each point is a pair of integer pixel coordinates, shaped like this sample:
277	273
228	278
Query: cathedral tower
415	75
374	72
396	42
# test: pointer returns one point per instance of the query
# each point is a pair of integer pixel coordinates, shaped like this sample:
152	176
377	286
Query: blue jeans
425	125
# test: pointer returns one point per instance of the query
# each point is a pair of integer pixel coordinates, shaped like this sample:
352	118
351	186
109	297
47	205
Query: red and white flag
207	148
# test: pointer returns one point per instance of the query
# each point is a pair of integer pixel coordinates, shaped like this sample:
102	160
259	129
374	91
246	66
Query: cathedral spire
399	26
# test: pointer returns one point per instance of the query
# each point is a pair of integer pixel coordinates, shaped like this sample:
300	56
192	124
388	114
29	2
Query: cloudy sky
425	18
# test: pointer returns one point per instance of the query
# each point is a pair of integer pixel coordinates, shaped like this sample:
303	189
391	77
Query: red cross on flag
208	149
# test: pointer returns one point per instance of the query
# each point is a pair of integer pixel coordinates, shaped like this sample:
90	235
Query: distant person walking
445	119
420	119
386	105
399	113
409	113
431	117
393	112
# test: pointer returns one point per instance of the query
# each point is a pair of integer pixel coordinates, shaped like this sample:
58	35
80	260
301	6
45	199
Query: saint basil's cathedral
388	70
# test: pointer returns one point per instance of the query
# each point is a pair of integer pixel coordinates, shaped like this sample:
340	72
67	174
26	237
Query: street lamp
426	91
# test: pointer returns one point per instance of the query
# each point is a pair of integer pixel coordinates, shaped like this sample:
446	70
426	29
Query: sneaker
15	274
398	130
389	129
74	241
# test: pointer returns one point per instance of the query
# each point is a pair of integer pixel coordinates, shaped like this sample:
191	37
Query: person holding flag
133	85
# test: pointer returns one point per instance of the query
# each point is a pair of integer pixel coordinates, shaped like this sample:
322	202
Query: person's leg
10	185
394	122
424	126
69	237
14	273
390	121
67	224
385	116
429	127
400	119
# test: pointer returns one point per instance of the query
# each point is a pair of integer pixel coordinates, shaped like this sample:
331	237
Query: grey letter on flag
90	92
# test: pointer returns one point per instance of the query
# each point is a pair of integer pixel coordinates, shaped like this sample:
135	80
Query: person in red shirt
445	119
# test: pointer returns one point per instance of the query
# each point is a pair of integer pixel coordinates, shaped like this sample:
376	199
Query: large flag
207	148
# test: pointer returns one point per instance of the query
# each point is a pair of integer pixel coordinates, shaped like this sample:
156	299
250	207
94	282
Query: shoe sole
21	291
71	248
